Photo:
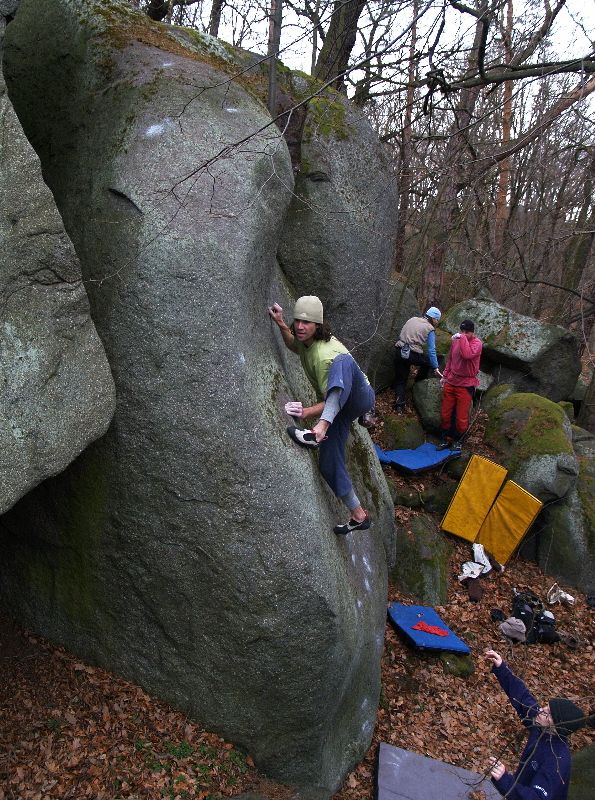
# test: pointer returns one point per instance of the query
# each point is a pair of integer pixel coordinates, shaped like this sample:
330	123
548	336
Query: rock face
533	436
556	463
531	355
57	393
566	542
191	549
427	399
353	189
402	432
421	566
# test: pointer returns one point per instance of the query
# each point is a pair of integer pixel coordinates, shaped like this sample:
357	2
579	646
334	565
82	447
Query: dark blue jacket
544	769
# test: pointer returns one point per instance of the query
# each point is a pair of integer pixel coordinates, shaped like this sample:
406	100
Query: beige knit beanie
309	309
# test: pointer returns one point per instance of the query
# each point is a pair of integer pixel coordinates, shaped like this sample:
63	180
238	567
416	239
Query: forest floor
70	731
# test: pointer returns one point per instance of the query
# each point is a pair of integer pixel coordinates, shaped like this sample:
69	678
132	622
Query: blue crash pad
404	617
426	456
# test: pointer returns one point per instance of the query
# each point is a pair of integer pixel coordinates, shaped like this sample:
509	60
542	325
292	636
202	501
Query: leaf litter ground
71	730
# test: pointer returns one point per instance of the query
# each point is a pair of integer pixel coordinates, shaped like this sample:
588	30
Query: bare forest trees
485	105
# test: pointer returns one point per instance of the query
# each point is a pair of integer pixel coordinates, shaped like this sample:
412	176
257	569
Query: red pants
457	399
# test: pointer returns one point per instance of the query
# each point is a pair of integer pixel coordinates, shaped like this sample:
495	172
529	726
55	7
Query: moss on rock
457	665
524	425
421	567
402	432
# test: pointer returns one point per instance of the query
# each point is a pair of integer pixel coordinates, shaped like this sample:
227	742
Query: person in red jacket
458	383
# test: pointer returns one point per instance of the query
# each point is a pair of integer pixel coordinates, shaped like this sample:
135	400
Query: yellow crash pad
508	521
475	494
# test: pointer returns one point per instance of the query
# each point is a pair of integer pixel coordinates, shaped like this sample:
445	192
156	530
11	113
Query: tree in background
491	131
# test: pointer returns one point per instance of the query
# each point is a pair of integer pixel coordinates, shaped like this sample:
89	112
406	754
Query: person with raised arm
544	769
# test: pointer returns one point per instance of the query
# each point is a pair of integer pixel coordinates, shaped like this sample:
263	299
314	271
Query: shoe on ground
304	438
353	525
557	595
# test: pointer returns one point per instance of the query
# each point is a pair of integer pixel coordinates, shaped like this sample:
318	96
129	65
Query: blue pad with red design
405	617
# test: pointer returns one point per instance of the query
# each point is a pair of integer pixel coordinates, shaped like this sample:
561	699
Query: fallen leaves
71	731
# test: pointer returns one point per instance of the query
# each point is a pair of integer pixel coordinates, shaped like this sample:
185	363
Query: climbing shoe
352	525
304	438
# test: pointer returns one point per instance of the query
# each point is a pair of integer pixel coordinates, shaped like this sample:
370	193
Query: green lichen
402	432
421	567
326	118
586	492
567	408
443	342
524	425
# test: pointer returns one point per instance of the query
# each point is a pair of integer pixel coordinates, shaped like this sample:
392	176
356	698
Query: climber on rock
344	394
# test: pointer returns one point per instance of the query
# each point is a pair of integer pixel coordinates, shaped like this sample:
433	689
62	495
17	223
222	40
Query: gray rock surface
401	432
532	355
347	181
427	399
582	777
566	541
57	390
191	549
8	7
533	438
421	566
548	477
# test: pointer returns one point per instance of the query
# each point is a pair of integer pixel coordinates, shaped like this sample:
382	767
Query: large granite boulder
57	391
566	541
533	438
191	549
533	356
346	178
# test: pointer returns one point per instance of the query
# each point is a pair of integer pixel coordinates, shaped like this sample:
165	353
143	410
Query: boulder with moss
346	179
566	540
495	394
421	566
533	438
532	355
427	399
402	432
436	497
191	549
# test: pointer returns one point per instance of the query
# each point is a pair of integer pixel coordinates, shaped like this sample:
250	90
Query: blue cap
433	313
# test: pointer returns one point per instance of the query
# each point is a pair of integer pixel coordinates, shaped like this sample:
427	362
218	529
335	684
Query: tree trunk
215	18
338	43
157	9
501	210
406	149
275	17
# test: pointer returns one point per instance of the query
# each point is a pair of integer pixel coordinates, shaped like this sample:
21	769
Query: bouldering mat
426	456
508	521
473	498
403	775
405	617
